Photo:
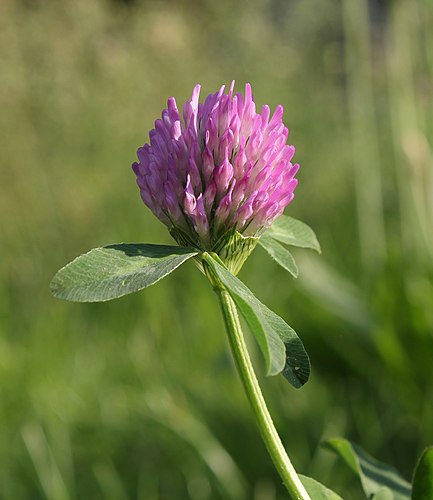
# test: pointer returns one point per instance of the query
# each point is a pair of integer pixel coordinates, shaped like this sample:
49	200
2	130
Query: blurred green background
138	398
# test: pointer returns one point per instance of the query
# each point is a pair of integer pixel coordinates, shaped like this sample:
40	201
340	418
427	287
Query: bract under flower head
221	168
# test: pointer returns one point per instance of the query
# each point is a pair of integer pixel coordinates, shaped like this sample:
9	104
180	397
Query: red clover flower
221	168
218	177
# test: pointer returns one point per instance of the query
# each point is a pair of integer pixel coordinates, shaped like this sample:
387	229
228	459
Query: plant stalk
263	418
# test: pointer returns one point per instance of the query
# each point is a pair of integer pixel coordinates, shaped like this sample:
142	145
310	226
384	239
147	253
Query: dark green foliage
422	488
378	479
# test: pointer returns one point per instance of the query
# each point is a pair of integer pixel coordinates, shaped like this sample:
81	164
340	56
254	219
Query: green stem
264	420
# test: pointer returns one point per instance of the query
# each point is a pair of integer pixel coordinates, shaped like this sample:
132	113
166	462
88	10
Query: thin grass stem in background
365	146
414	159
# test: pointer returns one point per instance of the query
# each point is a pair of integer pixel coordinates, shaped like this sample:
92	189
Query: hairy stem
263	418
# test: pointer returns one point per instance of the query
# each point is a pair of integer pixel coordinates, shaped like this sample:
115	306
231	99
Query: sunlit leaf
374	475
280	254
281	347
383	493
293	232
116	270
316	490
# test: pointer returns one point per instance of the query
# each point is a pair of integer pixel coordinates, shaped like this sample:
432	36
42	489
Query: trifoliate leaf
293	232
280	254
281	347
116	270
376	477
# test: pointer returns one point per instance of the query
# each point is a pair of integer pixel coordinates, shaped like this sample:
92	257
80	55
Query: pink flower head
221	166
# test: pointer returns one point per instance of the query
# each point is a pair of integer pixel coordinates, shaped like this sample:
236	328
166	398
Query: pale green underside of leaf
423	477
383	493
116	270
293	232
281	347
318	491
280	254
378	479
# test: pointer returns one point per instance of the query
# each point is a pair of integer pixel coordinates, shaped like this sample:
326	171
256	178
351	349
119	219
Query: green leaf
293	232
116	270
374	475
281	347
280	254
383	493
423	477
316	490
